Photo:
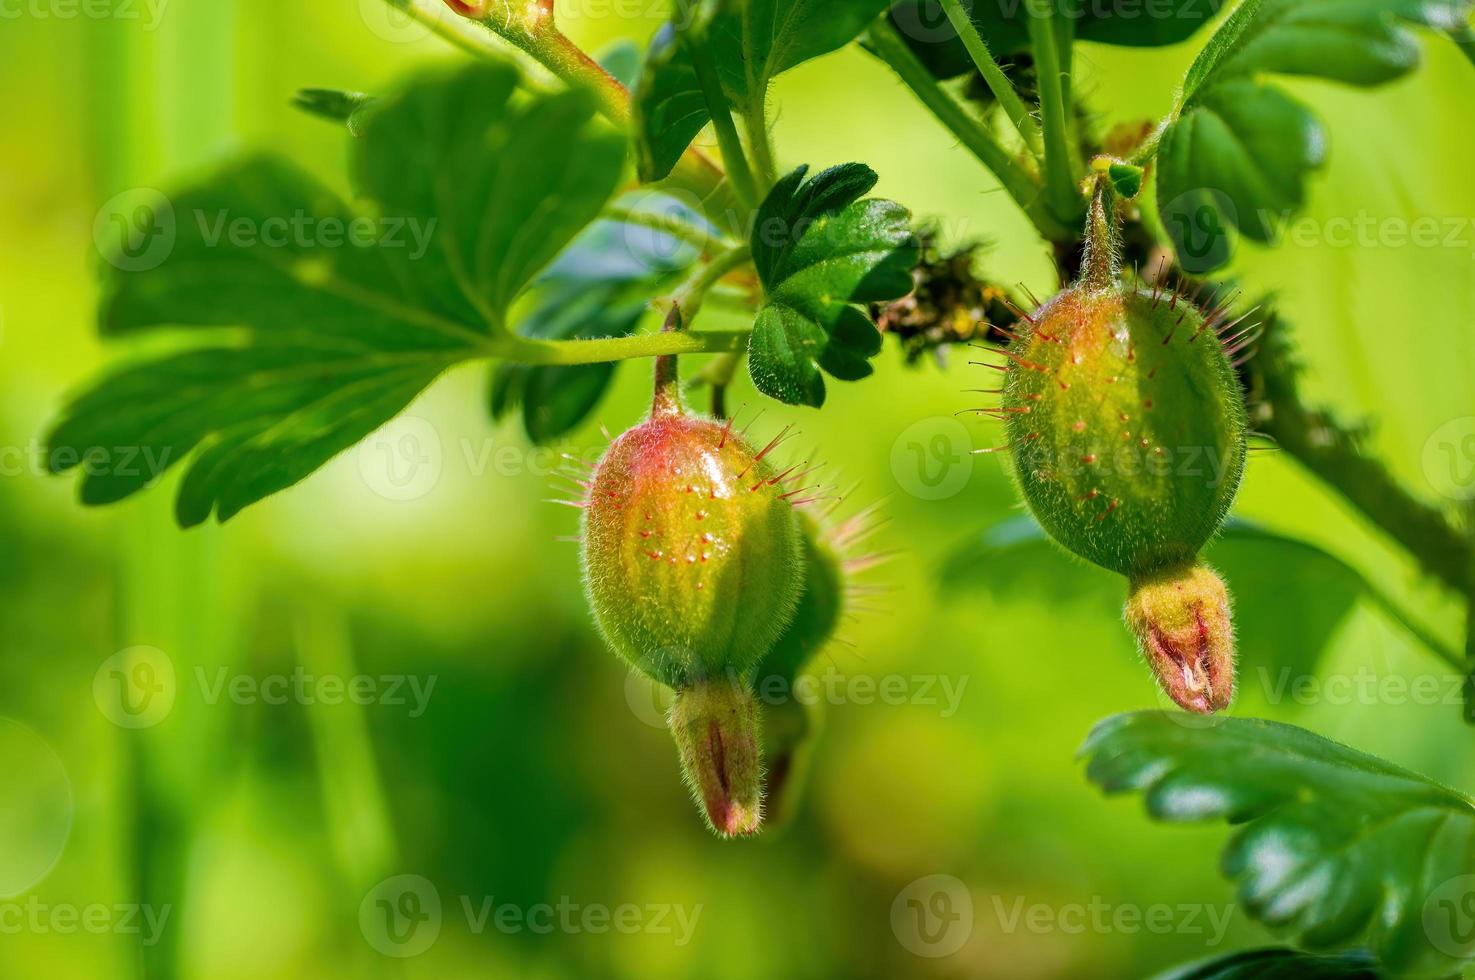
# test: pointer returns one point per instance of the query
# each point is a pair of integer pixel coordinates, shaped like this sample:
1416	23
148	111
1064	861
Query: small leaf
1279	964
328	320
819	250
751	42
1126	179
1336	848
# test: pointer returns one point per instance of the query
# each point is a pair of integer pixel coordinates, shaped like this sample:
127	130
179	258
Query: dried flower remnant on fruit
715	724
1182	622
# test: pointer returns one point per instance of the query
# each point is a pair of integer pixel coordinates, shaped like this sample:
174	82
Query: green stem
733	156
1019	183
1101	264
549	47
1065	38
993	75
1060	183
755	121
709	243
528	351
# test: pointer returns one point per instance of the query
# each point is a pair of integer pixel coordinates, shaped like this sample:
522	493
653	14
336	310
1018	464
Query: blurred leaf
751	42
1237	152
1280	964
622	60
1002	25
818	250
331	104
340	317
1014	559
1337	848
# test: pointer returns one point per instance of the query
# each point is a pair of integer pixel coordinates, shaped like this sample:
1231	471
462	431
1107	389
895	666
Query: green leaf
1014	559
1126	179
1336	848
751	42
772	36
819	250
1242	149
599	287
1280	964
1002	25
309	323
1237	152
668	106
508	182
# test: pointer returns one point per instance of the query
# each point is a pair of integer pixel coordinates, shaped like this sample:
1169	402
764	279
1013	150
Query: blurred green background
537	773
